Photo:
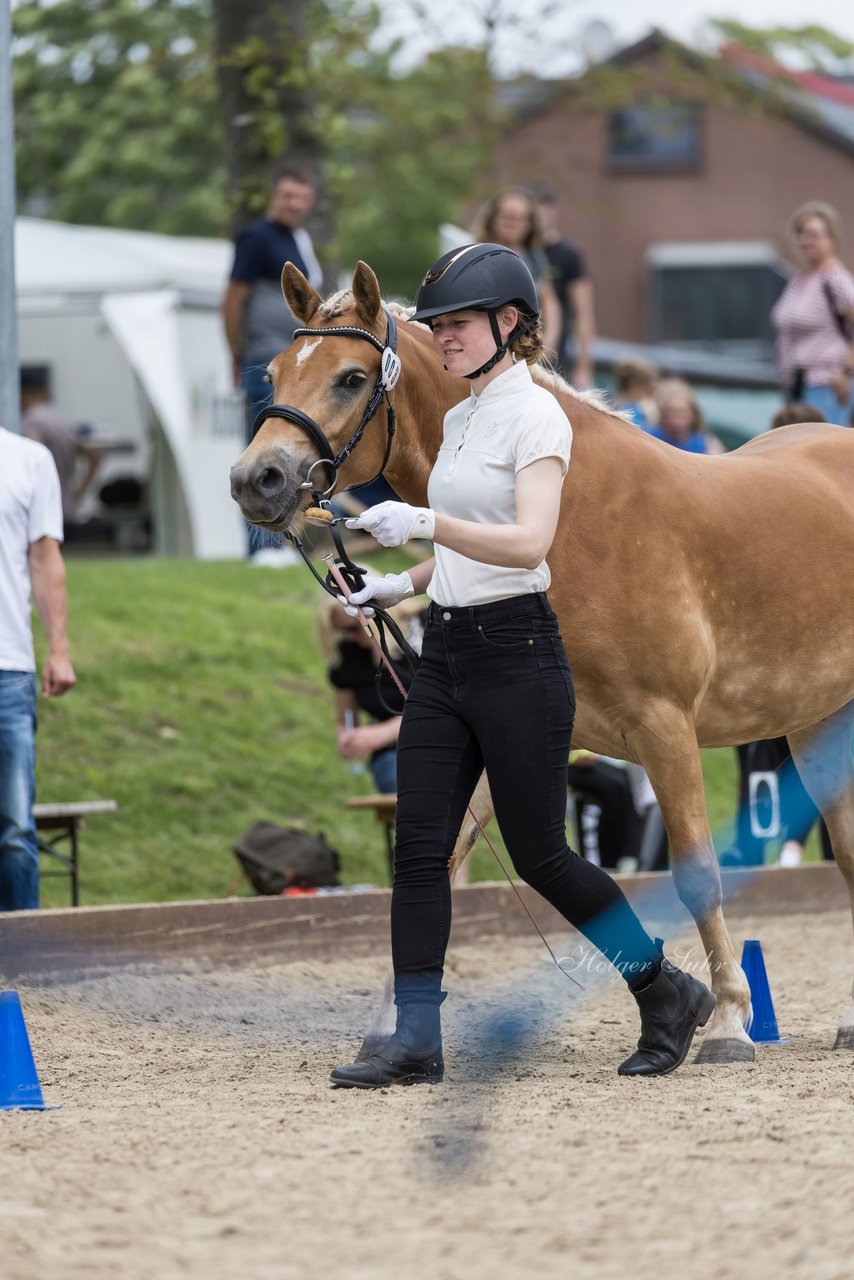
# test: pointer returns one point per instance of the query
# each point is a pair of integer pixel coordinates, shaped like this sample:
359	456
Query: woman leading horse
494	691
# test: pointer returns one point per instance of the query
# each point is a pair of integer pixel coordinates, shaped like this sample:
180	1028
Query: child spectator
680	419
364	691
635	393
794	413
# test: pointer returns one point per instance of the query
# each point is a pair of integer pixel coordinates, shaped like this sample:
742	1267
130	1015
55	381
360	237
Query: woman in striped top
814	319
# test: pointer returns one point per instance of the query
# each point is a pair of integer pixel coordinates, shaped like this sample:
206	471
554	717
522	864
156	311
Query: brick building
676	174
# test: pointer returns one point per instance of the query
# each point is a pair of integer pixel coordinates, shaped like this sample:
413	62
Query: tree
172	115
268	98
116	118
399	151
811	47
425	141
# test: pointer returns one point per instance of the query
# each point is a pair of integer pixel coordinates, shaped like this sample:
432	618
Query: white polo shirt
30	508
487	440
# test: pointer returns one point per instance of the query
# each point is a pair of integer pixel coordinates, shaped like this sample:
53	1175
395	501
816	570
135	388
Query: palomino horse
704	601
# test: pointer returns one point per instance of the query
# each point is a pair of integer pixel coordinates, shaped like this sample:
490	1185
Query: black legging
494	691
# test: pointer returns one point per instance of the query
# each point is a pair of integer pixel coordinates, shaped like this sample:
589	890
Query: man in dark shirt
574	290
258	322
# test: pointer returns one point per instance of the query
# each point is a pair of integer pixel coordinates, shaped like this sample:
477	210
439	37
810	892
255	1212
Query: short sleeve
545	433
841	285
45	513
538	264
576	267
247	267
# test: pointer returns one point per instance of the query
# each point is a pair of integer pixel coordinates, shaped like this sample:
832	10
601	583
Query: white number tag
390	368
764	801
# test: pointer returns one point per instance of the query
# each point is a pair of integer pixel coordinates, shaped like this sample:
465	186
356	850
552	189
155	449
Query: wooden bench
384	806
66	820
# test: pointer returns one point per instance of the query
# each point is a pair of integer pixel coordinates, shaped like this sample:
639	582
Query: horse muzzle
266	492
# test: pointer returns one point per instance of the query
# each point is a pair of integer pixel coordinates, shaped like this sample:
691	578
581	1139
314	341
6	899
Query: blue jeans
494	691
824	398
19	852
259	392
384	770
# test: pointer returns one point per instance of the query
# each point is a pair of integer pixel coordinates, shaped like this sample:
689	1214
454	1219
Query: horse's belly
765	701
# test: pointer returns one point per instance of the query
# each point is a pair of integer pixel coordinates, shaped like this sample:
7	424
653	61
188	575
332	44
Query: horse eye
265	377
353	379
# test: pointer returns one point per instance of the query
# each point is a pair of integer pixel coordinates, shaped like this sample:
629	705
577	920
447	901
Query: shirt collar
506	384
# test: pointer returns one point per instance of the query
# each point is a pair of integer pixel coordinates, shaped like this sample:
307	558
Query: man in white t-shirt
30	564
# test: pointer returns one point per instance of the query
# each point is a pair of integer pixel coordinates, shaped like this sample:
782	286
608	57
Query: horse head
328	376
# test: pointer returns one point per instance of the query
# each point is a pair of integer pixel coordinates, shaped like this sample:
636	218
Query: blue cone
19	1081
763	1029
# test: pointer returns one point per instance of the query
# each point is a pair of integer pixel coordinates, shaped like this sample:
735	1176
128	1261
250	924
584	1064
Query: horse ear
366	292
300	296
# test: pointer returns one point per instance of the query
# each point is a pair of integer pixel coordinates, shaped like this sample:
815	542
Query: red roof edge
811	81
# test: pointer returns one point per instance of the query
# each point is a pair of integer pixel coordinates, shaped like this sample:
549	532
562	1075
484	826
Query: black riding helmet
479	277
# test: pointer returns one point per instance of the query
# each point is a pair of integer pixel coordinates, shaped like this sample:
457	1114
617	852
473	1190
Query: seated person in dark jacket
364	690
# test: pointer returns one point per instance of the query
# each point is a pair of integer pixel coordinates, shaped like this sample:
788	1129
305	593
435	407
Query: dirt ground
198	1136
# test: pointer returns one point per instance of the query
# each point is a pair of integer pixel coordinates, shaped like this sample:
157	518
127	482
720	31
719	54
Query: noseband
386	379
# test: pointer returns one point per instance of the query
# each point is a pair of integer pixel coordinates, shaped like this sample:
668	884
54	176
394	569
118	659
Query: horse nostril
269	481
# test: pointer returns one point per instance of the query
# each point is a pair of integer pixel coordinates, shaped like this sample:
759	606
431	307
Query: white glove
385	592
392	523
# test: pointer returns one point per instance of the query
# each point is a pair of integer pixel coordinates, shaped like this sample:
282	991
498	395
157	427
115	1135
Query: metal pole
10	403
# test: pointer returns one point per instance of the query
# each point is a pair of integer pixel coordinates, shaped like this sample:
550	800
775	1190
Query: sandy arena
198	1136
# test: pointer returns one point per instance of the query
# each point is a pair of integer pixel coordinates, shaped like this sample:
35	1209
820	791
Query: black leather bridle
389	372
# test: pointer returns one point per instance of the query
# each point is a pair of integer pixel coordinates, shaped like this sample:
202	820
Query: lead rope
336	574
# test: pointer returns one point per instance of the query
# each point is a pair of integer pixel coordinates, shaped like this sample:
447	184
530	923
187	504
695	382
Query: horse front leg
480	811
671	757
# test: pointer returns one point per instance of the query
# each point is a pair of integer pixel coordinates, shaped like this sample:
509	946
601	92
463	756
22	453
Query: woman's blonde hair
677	388
816	209
528	343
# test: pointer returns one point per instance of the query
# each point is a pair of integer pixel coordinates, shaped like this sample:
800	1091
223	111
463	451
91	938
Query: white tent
128	324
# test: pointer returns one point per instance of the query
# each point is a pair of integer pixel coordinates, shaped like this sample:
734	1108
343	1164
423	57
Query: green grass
202	705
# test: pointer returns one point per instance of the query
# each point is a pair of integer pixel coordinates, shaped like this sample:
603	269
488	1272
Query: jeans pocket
509	635
15	681
18	711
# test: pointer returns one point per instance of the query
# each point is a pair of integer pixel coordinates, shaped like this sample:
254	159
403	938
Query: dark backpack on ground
278	858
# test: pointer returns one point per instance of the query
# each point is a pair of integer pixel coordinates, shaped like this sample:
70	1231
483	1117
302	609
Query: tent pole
10	401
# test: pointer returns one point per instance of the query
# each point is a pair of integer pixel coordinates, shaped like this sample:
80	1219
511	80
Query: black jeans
494	691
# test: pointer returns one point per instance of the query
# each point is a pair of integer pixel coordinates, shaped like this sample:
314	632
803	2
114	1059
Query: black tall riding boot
413	1055
671	1008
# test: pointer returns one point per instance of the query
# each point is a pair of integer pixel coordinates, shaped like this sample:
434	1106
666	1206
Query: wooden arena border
57	945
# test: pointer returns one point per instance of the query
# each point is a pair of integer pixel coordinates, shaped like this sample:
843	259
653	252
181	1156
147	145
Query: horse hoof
844	1038
725	1050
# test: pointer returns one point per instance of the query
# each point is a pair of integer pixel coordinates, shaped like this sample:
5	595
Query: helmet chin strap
502	348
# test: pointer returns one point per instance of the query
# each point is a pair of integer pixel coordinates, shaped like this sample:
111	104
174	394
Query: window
647	138
717	297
